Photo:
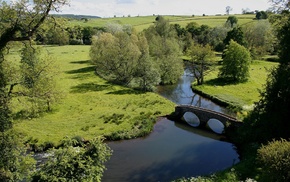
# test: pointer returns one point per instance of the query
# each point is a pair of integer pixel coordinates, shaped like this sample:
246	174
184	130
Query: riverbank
90	106
239	97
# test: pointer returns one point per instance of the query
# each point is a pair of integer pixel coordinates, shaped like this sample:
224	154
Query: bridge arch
191	119
216	125
204	116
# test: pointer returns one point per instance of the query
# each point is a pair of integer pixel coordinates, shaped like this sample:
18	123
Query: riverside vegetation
86	108
90	105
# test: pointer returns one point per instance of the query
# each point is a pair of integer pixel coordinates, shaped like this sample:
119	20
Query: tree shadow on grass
89	87
220	82
82	70
126	91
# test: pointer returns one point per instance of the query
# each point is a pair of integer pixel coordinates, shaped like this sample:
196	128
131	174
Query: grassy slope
143	22
243	94
88	99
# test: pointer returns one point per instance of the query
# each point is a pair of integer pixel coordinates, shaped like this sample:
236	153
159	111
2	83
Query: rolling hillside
142	22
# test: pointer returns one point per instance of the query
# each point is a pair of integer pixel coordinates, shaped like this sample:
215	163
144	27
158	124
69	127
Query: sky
109	8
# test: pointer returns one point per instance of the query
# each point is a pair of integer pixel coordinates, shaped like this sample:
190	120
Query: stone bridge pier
200	117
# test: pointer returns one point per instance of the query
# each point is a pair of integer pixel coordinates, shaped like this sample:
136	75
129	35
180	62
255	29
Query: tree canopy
236	62
232	20
237	35
201	60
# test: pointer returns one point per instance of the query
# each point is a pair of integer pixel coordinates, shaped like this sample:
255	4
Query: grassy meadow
90	106
242	95
143	22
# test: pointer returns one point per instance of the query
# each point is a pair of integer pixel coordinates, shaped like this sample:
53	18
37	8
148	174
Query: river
173	150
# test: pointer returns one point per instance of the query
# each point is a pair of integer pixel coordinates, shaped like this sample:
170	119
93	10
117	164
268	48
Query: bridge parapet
204	115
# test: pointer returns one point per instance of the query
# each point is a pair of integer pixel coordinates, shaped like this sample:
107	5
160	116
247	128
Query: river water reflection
173	150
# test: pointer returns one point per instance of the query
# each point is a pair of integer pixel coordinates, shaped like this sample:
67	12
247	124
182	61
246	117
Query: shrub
275	159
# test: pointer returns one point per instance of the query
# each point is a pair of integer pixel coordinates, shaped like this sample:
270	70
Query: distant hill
78	17
142	22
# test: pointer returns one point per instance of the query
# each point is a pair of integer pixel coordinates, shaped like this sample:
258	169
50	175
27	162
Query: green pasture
91	106
243	95
142	22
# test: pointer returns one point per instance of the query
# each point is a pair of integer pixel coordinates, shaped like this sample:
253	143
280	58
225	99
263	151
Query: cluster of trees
165	43
21	21
142	60
54	31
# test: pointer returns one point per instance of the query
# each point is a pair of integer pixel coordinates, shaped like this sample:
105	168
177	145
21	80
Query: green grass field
242	95
91	107
142	22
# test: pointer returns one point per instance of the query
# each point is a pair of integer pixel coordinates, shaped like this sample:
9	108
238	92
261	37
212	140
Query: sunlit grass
91	106
242	95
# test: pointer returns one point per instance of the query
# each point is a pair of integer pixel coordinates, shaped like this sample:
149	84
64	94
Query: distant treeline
72	16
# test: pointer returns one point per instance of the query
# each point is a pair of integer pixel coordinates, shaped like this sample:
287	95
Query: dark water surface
173	150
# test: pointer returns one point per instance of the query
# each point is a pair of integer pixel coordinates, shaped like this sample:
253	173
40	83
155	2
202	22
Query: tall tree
38	72
147	75
201	59
216	37
232	20
260	38
270	117
236	62
115	56
237	35
261	15
165	50
20	20
228	10
281	24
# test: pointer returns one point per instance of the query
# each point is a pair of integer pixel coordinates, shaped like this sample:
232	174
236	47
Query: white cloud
109	8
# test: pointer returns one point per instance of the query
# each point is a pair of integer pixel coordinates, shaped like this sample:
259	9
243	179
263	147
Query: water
173	150
181	93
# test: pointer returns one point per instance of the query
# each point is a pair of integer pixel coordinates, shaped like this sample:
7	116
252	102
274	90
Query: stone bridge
200	117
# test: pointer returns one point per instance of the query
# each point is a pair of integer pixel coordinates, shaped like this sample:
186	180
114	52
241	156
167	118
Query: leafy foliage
236	62
165	50
124	59
14	164
201	59
71	163
275	160
34	81
270	117
19	21
217	36
260	38
261	15
232	20
281	24
115	56
237	35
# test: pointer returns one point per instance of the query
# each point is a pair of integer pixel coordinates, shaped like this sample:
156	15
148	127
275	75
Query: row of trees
54	31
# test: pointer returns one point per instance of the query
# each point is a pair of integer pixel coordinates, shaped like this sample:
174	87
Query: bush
275	159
